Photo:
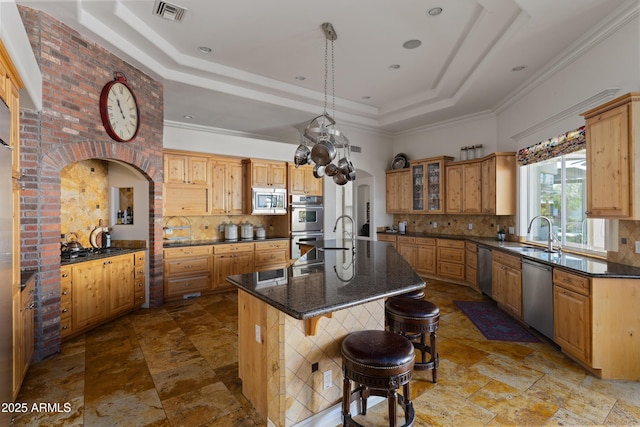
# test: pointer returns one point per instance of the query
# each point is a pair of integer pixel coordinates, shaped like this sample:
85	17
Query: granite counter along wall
208	227
483	225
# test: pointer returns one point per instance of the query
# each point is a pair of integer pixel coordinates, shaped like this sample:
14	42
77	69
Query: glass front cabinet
428	185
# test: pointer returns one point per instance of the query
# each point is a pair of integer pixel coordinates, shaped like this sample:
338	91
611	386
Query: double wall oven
307	218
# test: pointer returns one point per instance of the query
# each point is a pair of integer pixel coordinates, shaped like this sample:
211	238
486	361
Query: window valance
553	147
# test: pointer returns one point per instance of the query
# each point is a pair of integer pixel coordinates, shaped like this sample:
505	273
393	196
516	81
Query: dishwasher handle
536	265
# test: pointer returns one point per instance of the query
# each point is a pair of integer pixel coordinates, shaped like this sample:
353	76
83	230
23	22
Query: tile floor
177	366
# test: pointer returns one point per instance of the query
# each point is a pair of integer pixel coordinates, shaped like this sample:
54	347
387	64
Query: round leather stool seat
379	362
419	294
416	320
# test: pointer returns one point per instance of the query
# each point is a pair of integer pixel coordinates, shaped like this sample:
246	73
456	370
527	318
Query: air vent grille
169	11
356	149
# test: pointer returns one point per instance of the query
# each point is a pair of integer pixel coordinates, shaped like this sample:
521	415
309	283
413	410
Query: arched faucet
550	236
352	235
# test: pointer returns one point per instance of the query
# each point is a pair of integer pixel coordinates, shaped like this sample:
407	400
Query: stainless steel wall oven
307	221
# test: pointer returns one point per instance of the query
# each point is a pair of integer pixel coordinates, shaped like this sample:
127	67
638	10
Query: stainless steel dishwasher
484	270
537	296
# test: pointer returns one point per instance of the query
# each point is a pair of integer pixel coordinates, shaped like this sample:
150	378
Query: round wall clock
119	109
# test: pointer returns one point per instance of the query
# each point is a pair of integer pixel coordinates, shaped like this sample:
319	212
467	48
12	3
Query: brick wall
68	129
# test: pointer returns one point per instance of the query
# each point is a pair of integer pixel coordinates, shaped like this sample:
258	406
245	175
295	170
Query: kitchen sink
525	249
331	248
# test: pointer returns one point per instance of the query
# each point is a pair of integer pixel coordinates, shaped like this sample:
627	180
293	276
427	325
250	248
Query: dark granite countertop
205	242
99	254
345	279
590	266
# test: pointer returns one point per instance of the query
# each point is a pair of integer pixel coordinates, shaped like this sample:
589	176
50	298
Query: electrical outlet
314	367
258	335
637	247
512	230
435	225
470	226
327	380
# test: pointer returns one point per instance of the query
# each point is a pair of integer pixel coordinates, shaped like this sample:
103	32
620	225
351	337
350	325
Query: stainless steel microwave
269	201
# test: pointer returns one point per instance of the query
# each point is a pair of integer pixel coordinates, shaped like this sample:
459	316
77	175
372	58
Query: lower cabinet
507	282
228	259
572	314
471	265
391	238
96	291
450	259
23	336
187	270
271	255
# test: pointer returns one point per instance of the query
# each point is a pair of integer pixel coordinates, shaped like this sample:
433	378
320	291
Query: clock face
119	111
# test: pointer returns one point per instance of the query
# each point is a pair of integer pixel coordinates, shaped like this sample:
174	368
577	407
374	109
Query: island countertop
344	279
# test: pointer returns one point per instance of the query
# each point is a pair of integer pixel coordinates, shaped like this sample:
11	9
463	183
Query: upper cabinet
10	83
266	174
186	169
302	181
398	190
463	186
499	184
226	175
612	134
427	176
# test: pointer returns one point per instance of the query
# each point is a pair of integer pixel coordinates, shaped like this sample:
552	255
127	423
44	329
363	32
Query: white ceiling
247	83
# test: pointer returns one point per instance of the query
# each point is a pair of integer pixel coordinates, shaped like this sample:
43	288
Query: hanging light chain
326	71
333	83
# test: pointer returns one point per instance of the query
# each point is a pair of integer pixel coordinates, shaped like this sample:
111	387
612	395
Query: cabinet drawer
451	255
187	251
386	238
138	287
65	310
65	291
229	248
139	258
454	271
188	266
139	272
406	239
508	260
186	285
571	281
277	244
426	241
447	243
270	257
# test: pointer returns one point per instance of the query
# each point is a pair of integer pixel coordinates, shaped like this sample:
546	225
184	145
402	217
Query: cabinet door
434	187
418	187
120	276
608	174
222	267
89	301
278	175
513	291
407	252
392	195
297	179
235	187
219	189
243	263
489	186
260	174
471	188
175	168
187	199
313	185
498	282
14	105
198	170
572	323
453	193
425	259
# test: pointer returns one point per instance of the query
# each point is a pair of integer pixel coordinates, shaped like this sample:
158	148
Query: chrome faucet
352	235
550	237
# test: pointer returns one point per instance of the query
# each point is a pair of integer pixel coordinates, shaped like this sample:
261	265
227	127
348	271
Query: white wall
124	176
374	159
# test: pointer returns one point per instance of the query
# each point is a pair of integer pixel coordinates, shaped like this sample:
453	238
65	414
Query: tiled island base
275	357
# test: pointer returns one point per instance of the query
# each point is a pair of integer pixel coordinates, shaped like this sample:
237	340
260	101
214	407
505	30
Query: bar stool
415	319
379	362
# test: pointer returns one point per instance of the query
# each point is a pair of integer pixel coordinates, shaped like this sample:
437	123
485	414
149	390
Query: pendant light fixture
323	133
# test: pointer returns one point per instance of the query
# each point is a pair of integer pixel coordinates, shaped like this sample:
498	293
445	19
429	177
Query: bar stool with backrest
379	363
416	319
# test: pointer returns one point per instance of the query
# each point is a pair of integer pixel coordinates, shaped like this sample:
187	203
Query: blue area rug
494	323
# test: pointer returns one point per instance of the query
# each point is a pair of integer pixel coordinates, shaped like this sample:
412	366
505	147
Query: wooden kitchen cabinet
120	274
398	195
65	302
180	168
391	238
270	255
425	255
231	258
471	264
227	186
139	277
186	200
450	259
506	273
499	184
265	173
89	303
612	133
427	184
187	270
572	314
302	181
27	298
406	248
463	188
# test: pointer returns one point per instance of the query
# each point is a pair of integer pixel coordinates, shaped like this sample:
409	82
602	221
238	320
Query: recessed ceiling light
394	66
411	44
300	78
204	49
434	11
188	117
366	97
519	68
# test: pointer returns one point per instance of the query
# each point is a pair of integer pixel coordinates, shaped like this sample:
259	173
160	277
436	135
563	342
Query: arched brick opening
48	316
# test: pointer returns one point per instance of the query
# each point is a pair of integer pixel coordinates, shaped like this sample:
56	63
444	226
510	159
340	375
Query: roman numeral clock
119	109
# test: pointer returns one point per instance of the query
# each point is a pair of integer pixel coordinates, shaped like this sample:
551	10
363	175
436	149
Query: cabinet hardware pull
65	275
65	293
64	310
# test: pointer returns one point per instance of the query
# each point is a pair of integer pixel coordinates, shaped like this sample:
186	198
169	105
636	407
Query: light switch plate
512	230
327	380
637	247
470	226
258	335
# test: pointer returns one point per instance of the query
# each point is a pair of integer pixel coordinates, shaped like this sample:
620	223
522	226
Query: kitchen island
293	318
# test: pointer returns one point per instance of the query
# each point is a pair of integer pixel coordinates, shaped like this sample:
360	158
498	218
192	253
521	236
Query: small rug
494	323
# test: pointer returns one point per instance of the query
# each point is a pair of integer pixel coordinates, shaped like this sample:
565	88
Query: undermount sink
524	249
336	248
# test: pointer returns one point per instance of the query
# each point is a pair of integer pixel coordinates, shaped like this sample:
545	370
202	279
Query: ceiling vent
169	11
356	149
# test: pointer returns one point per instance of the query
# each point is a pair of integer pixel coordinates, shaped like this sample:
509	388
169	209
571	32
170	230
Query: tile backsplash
208	227
481	225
